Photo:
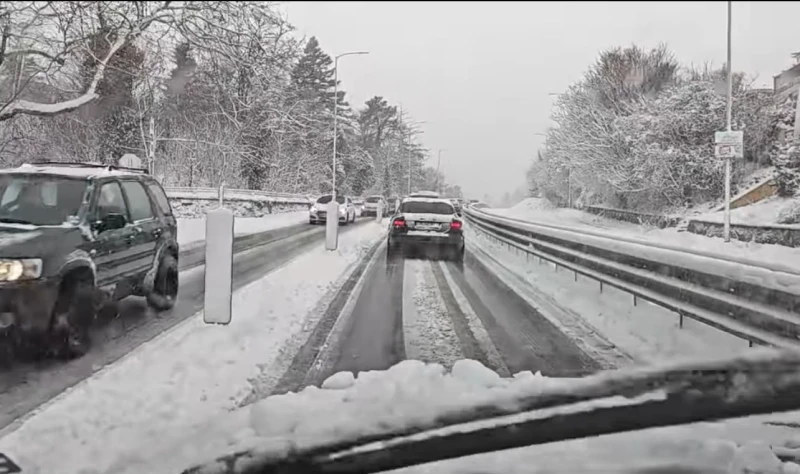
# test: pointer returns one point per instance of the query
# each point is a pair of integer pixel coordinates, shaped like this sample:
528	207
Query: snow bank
603	322
194	230
771	255
532	205
770	211
163	388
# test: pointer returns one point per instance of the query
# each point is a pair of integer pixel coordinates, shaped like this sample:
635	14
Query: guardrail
209	194
747	299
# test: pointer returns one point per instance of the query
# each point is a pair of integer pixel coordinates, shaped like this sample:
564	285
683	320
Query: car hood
376	401
20	241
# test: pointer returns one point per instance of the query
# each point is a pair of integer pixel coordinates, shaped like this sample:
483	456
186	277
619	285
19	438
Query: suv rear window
422	207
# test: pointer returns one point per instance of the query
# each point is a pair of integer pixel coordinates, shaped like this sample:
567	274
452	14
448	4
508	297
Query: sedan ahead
426	224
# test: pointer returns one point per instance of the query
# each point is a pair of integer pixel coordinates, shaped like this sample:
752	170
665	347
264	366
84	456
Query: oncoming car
426	224
319	211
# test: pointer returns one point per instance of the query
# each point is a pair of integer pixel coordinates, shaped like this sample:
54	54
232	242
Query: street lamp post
438	165
727	218
332	220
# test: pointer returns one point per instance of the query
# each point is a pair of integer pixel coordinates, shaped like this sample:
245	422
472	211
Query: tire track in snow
295	376
467	340
428	329
493	358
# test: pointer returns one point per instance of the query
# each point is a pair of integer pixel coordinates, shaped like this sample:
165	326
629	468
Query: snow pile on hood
374	402
412	392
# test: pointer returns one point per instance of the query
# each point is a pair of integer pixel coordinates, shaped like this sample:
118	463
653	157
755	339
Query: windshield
422	207
327	199
39	200
532	198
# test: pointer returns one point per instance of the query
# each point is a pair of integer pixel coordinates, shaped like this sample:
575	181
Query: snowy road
440	312
23	387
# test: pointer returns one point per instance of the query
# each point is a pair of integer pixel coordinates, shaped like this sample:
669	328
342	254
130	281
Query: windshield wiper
11	220
761	383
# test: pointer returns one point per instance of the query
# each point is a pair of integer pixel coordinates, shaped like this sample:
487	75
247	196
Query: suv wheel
165	286
73	315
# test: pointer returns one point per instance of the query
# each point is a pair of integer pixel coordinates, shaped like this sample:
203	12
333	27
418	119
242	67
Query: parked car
358	203
426	223
76	239
318	213
391	205
371	205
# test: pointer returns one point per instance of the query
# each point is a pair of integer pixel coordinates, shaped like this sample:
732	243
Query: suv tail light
399	223
455	225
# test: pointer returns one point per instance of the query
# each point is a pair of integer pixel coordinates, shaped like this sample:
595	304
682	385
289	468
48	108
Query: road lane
25	386
525	338
395	310
376	321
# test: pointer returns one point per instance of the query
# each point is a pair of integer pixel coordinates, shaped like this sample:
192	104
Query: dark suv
74	240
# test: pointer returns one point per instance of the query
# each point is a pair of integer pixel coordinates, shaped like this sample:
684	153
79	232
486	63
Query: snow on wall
195	208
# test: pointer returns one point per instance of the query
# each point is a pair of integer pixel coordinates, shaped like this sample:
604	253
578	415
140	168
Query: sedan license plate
427	226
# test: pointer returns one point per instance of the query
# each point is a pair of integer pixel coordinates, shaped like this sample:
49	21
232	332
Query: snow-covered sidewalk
194	230
537	210
184	376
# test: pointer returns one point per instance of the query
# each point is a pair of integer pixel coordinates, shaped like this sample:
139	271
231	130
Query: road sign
130	160
724	151
729	144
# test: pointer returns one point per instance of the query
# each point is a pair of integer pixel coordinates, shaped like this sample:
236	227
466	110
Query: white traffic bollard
379	213
219	266
332	226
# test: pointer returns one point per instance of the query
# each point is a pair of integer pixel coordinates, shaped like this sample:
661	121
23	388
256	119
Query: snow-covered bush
786	151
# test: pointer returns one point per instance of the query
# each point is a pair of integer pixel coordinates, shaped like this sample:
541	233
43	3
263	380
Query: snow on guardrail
751	300
210	194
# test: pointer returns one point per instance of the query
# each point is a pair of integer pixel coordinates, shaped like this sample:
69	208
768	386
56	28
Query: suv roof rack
88	165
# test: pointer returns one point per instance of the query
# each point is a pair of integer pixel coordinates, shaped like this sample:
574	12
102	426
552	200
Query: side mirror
111	222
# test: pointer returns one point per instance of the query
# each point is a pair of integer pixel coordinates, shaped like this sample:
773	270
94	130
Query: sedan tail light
455	225
399	223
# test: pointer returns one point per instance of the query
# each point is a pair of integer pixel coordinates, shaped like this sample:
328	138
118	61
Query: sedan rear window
373	199
421	207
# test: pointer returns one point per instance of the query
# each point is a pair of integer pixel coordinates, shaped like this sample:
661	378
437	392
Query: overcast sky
479	73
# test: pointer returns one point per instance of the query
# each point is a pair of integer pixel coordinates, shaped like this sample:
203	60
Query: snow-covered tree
637	133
